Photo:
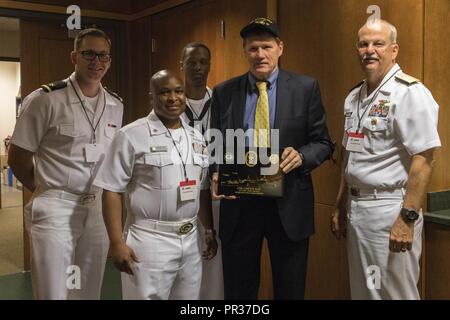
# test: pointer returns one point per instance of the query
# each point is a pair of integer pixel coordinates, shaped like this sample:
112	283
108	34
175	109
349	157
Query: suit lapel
283	100
238	103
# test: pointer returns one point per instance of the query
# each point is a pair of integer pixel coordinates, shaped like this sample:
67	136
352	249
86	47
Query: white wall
9	88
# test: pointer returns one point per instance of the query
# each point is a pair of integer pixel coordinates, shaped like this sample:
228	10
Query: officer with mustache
389	140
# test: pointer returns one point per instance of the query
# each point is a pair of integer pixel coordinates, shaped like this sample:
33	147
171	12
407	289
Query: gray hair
376	23
393	30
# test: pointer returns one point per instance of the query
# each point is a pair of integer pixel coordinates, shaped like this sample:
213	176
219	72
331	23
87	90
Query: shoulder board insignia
54	86
357	86
403	77
115	95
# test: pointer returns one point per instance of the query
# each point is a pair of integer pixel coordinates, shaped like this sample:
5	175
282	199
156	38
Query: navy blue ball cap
262	24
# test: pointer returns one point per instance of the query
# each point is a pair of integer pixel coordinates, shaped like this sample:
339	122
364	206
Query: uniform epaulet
54	86
357	86
403	77
115	95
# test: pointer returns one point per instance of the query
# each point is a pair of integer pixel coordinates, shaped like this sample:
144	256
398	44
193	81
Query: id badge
188	190
93	152
355	142
348	120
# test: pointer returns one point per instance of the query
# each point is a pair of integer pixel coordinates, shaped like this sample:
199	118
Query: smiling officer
57	148
160	164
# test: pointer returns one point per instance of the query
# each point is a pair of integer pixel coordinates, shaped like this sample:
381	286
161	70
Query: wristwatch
409	215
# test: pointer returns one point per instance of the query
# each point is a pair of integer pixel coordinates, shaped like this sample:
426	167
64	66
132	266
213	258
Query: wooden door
214	22
173	29
45	57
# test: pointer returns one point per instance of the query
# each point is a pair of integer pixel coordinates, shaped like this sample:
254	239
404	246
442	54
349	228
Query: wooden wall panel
139	52
51	50
140	5
201	21
28	45
194	22
236	15
327	276
437	79
118	6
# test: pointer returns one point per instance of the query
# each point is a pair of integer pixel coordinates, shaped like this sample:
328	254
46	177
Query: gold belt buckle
186	228
87	198
354	192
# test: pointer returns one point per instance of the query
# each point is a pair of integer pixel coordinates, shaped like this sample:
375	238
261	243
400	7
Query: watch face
411	215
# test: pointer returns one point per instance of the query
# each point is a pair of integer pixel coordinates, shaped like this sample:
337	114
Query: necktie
261	137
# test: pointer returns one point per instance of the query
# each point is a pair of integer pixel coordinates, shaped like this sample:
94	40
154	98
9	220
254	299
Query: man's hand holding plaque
258	174
215	189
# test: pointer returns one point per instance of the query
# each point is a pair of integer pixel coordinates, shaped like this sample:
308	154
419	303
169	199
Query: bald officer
160	164
390	136
57	148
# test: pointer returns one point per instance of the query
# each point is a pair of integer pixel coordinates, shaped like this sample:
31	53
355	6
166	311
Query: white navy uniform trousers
69	244
144	164
398	122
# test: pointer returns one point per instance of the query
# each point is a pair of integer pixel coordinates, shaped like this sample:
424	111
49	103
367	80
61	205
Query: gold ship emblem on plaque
251	158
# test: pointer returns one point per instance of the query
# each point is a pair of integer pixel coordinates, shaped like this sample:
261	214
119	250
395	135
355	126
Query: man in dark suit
295	109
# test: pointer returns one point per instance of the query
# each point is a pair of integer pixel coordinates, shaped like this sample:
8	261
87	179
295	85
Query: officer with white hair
160	164
390	136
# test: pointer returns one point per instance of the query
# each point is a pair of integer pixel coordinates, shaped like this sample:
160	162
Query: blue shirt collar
272	80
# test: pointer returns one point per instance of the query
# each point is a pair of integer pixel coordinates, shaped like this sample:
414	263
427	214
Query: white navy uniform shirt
54	126
144	164
401	121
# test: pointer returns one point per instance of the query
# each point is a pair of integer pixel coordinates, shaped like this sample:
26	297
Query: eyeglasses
90	55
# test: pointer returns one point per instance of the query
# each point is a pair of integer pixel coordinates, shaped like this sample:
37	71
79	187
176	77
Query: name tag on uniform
355	142
94	151
188	190
348	120
158	149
